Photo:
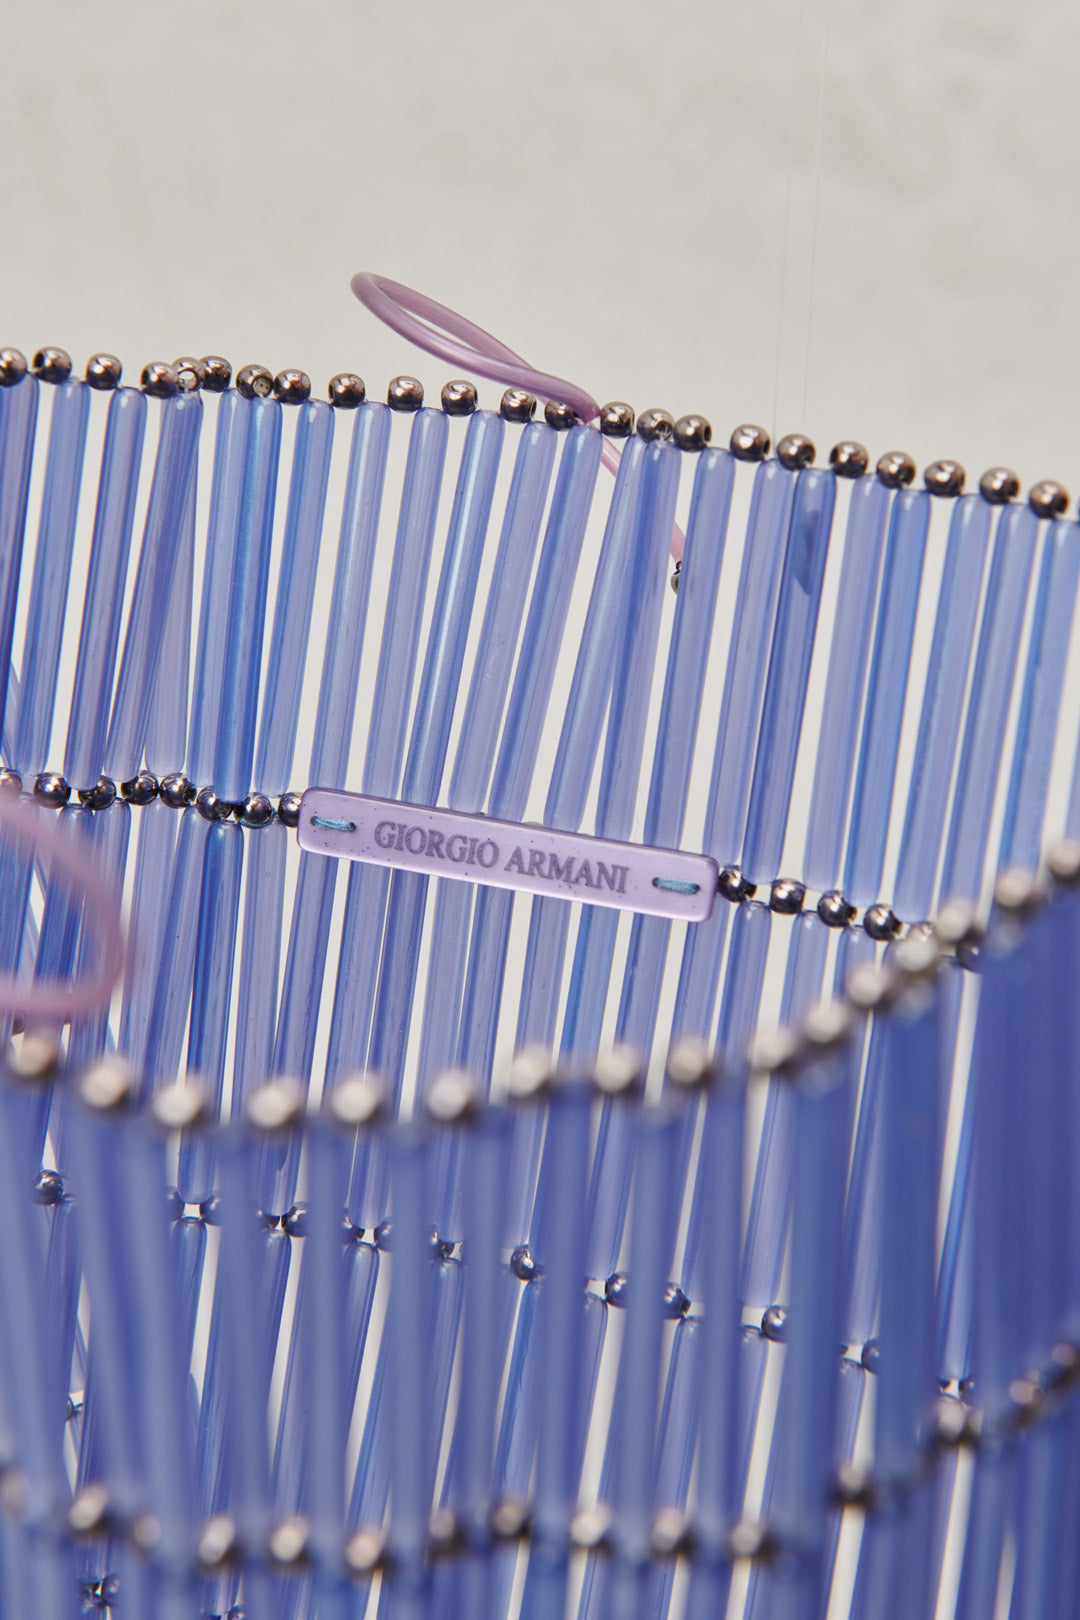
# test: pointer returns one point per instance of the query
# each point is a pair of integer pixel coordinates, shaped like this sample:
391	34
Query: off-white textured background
604	183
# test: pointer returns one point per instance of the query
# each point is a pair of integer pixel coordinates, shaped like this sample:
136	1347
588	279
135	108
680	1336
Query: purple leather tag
507	855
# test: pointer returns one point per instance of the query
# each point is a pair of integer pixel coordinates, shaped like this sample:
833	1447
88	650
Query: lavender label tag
448	843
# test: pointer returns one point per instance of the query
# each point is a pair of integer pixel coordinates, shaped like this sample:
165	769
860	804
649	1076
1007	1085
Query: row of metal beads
848	459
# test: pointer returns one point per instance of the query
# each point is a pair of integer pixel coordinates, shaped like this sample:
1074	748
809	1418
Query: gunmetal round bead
656	425
12	367
795	451
405	394
216	373
177	791
849	459
103	371
100	796
616	419
159	380
458	397
256	810
51	365
749	443
292	387
52	790
560	416
288	809
896	469
140	789
517	405
347	391
254	382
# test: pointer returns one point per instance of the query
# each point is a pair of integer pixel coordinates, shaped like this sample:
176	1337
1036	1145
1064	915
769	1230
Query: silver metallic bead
37	1058
510	1519
405	394
295	1221
1063	860
615	1289
828	1026
100	796
177	791
179	1107
776	1052
692	432
523	1266
734	885
672	1534
531	1075
365	1551
219	1544
675	1303
107	1086
896	469
774	1324
590	1528
383	1235
619	1073
256	810
287	1543
999	486
347	391
1017	892
452	1097
690	1065
1048	499
276	1106
216	373
458	397
795	451
881	922
104	371
560	416
12	367
656	425
189	373
674	580
52	790
158	380
139	789
786	897
288	809
835	910
871	1355
750	1539
853	1487
51	365
254	382
47	1188
616	419
873	985
849	458
1063	1368
210	807
750	443
357	1101
292	387
517	405
444	1533
944	478
10	782
88	1513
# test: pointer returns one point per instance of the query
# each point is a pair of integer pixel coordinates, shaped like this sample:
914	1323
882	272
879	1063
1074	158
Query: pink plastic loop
443	332
70	865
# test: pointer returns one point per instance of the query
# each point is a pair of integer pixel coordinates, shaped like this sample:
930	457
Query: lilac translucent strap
69	864
442	332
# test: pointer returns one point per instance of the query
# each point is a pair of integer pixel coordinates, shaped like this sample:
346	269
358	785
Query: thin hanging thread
799	55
